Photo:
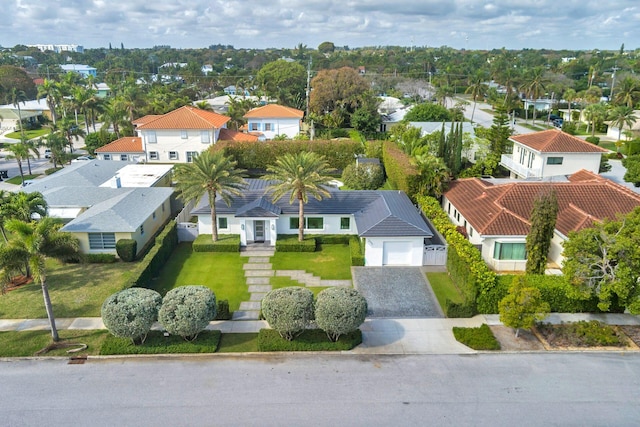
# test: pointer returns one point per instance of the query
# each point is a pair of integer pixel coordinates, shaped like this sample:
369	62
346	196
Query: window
153	155
107	156
294	223
509	251
470	232
191	155
154	215
254	126
173	155
205	137
554	160
345	223
163	207
311	223
124	157
268	126
102	241
449	208
141	230
222	223
151	137
184	134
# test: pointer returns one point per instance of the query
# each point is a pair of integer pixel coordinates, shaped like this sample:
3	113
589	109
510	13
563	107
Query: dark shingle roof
260	207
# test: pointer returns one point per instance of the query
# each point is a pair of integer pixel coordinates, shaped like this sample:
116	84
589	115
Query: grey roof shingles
90	173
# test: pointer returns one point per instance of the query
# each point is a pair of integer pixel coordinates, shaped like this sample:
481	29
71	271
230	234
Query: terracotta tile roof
556	141
186	117
234	135
146	119
128	144
504	209
274	111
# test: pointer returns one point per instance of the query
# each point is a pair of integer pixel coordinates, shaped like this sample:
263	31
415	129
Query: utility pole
308	94
613	81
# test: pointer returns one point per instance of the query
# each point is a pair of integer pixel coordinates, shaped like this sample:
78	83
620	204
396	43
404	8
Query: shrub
340	311
465	309
223	312
633	147
373	149
523	306
100	258
290	243
309	340
157	256
595	140
357	257
329	239
582	334
130	313
49	171
480	338
127	249
288	310
367	176
225	243
400	172
187	310
157	343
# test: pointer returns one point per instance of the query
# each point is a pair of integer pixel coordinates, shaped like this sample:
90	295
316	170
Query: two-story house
550	153
272	120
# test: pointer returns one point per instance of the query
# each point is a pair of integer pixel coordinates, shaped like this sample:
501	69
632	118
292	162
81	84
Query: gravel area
396	292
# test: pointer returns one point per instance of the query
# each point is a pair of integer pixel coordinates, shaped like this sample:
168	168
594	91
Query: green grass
444	289
157	343
480	338
76	290
609	145
219	271
278	282
17	180
29	134
331	262
309	340
238	343
27	343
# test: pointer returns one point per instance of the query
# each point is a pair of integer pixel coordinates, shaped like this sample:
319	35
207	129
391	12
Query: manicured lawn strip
27	343
157	343
29	134
609	145
444	289
278	282
331	262
76	290
219	271
480	338
309	340
17	180
238	343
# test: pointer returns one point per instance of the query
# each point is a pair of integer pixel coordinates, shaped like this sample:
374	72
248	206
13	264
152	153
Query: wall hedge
355	248
290	243
401	174
100	258
225	243
154	260
257	155
330	239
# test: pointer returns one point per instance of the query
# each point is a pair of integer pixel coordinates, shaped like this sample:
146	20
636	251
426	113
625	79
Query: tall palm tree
535	86
628	92
34	242
213	174
19	152
434	175
570	95
17	96
114	114
50	90
84	98
5	211
302	175
621	116
477	88
204	105
595	114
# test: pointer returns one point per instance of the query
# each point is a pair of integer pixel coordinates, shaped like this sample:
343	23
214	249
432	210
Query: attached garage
396	253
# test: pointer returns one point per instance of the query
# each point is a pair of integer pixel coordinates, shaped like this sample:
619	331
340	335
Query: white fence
187	231
435	255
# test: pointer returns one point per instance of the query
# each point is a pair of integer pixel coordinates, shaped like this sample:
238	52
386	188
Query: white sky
472	24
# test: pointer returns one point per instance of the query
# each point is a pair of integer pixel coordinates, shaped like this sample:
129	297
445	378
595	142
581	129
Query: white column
243	232
273	232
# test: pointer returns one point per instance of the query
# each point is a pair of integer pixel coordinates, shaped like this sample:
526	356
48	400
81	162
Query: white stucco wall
171	140
288	127
571	163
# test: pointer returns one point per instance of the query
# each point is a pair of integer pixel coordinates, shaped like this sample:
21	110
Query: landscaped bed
330	262
157	343
309	340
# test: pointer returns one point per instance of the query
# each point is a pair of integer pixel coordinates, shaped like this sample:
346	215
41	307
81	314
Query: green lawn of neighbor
29	134
219	271
444	289
238	343
331	262
17	180
76	290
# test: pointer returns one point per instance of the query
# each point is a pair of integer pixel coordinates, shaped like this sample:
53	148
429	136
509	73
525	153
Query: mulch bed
16	282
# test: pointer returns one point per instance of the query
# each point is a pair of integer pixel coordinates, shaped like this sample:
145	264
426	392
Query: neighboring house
126	149
496	216
550	153
103	202
392	119
539	104
232	90
29	111
83	70
102	90
272	119
614	131
180	135
392	229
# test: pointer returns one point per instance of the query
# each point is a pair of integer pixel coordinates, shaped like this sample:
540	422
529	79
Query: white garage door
396	253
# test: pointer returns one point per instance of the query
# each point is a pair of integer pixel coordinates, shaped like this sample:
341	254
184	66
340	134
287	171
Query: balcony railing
507	161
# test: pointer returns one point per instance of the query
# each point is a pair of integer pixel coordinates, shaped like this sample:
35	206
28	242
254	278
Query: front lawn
76	290
330	262
219	271
444	289
27	343
29	134
17	180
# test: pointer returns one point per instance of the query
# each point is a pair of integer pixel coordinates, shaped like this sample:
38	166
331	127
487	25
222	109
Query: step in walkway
258	271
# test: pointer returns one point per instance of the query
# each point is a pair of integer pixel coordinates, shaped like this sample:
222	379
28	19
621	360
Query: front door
258	231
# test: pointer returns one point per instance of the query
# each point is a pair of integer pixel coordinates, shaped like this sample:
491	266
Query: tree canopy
428	112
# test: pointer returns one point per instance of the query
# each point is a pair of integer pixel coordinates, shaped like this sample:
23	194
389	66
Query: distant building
83	70
57	48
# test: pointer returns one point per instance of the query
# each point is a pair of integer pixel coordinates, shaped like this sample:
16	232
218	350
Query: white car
47	154
83	158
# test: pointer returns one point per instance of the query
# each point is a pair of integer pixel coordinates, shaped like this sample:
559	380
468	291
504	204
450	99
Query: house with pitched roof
126	149
495	215
550	153
180	135
272	120
392	229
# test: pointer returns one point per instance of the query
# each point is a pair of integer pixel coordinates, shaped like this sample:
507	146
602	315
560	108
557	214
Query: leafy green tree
632	163
595	114
534	86
19	152
366	176
338	92
340	311
283	80
49	89
213	174
131	312
95	140
543	224
187	310
299	175
434	175
15	98
428	112
523	306
326	47
33	243
288	310
365	119
12	77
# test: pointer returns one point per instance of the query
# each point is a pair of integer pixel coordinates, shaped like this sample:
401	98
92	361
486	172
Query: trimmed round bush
340	311
130	313
187	310
127	249
288	310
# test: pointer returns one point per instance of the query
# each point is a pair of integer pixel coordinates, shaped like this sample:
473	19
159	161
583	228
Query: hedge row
100	258
258	155
330	239
309	340
225	243
157	343
401	174
157	256
466	267
290	243
357	257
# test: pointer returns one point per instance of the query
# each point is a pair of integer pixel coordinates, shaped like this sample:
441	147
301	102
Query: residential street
307	389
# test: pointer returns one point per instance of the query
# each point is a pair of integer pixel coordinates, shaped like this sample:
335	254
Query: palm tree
535	87
5	211
628	92
570	95
34	242
477	87
114	114
15	97
621	116
302	175
213	174
19	152
595	114
25	206
50	90
434	175
204	105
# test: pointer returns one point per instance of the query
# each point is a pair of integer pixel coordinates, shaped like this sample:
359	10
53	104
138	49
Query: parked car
47	153
83	158
558	123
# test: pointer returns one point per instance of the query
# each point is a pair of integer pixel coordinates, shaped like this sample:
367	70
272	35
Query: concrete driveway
396	292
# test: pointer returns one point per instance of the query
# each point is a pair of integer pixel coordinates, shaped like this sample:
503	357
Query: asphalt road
306	390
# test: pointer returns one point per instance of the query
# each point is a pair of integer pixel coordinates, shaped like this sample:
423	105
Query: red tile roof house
496	216
272	120
178	136
127	149
550	153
